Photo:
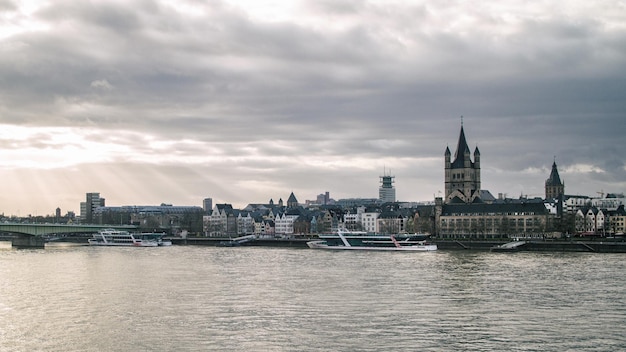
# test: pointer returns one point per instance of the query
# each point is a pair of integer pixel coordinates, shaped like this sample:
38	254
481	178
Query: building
207	205
386	191
284	222
292	201
462	176
464	212
323	198
482	220
222	221
571	203
555	188
369	221
590	221
151	217
612	201
617	221
92	201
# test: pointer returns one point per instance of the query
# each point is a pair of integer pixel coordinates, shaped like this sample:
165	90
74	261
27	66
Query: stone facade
462	176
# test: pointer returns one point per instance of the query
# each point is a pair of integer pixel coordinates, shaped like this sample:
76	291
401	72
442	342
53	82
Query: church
468	211
462	176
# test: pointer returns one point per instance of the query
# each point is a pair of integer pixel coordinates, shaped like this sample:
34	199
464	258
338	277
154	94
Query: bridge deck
47	229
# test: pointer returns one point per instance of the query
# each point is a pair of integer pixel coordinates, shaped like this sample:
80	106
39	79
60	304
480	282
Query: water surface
187	298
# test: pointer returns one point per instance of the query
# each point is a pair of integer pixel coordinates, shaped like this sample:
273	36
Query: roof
486	196
292	199
554	179
461	149
496	208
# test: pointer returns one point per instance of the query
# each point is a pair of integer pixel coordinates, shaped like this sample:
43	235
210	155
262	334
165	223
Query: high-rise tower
462	176
87	208
386	191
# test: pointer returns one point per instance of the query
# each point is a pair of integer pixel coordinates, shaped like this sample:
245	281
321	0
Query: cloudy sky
173	101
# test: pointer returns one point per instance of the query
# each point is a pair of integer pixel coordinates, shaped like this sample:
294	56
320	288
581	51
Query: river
193	298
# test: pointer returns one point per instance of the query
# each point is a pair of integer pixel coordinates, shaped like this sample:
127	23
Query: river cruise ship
111	237
357	240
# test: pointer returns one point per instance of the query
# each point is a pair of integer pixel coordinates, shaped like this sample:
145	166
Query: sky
151	102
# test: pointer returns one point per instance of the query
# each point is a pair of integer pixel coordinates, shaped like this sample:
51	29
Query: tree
411	225
425	225
504	226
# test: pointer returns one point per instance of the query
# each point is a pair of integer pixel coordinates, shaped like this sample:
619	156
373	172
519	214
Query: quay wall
573	245
539	246
530	246
270	242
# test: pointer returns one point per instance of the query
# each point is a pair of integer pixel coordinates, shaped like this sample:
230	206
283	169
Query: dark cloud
280	102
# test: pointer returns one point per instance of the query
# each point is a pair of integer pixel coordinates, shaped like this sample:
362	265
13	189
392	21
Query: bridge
31	235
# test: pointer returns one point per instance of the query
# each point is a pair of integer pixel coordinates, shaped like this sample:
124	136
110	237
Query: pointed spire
462	147
554	179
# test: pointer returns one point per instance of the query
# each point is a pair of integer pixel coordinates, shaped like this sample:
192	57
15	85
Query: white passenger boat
111	237
343	240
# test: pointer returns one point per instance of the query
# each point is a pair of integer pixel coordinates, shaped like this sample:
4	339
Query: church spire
554	185
461	147
554	179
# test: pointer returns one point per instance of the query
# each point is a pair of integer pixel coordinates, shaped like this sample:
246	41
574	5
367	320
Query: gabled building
284	223
264	227
245	224
617	221
590	221
302	225
221	222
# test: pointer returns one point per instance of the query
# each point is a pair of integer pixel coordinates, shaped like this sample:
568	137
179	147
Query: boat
359	240
236	242
112	237
508	247
156	236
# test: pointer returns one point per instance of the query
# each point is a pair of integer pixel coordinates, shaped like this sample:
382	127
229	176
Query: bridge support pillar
28	242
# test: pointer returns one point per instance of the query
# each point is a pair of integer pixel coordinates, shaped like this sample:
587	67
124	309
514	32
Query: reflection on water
268	299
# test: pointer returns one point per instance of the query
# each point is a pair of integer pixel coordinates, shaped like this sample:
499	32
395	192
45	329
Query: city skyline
172	102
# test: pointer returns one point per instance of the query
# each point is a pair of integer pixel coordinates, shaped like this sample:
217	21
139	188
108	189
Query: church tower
292	202
462	176
554	187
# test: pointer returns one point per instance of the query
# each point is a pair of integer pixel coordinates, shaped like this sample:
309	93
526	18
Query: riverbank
573	245
258	242
595	246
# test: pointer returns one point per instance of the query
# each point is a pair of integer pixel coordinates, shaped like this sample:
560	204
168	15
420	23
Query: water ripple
266	299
